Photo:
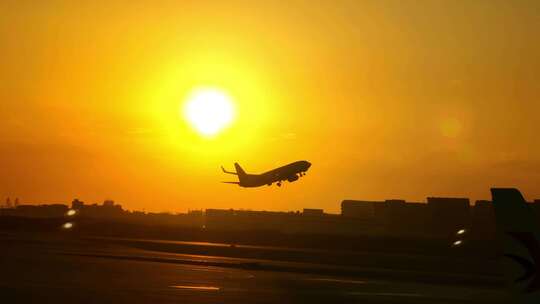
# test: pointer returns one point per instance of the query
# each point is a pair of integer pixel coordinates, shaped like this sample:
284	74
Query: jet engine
292	178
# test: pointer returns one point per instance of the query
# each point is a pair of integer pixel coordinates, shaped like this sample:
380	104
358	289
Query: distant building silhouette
360	209
406	218
312	222
483	220
449	214
313	212
436	218
77	204
107	210
40	211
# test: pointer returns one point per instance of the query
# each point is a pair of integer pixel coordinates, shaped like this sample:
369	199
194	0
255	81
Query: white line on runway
202	288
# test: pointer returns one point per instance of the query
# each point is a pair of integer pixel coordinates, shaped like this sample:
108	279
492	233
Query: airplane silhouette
290	172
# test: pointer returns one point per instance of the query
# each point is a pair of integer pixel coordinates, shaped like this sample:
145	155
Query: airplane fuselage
290	172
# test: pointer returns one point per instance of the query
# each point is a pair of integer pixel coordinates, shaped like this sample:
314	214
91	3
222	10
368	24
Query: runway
54	269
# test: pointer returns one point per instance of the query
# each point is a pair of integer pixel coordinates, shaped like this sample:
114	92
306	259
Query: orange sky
387	99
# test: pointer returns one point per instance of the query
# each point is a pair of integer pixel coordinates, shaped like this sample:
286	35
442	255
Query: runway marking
202	288
336	280
208	269
388	294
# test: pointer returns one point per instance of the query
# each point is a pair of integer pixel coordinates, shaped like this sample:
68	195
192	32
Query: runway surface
55	269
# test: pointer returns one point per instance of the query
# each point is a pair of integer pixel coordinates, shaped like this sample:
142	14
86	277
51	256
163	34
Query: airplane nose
308	164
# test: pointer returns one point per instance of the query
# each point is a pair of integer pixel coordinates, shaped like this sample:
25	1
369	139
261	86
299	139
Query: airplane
290	172
519	236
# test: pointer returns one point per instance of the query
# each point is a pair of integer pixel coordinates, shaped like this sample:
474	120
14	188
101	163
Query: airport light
71	212
457	243
67	225
461	232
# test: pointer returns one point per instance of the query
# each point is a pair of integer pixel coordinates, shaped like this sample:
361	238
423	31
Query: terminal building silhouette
437	217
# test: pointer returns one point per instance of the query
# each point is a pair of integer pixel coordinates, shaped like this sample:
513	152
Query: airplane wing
519	236
231	183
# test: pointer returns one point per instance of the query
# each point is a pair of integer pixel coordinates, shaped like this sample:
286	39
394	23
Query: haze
387	99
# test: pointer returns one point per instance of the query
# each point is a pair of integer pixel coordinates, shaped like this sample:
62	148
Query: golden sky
387	99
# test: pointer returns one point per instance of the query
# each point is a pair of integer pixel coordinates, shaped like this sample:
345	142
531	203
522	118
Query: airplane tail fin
239	170
519	235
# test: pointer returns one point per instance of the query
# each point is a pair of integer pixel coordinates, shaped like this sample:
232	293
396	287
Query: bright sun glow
209	111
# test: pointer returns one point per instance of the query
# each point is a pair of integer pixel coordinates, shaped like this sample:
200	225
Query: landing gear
278	184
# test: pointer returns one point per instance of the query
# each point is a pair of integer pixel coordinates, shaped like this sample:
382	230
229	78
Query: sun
209	110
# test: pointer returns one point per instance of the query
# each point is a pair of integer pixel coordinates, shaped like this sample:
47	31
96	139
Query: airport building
403	218
311	221
438	217
483	220
448	215
36	211
367	210
107	210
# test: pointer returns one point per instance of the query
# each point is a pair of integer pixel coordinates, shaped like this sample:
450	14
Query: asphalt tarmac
55	269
